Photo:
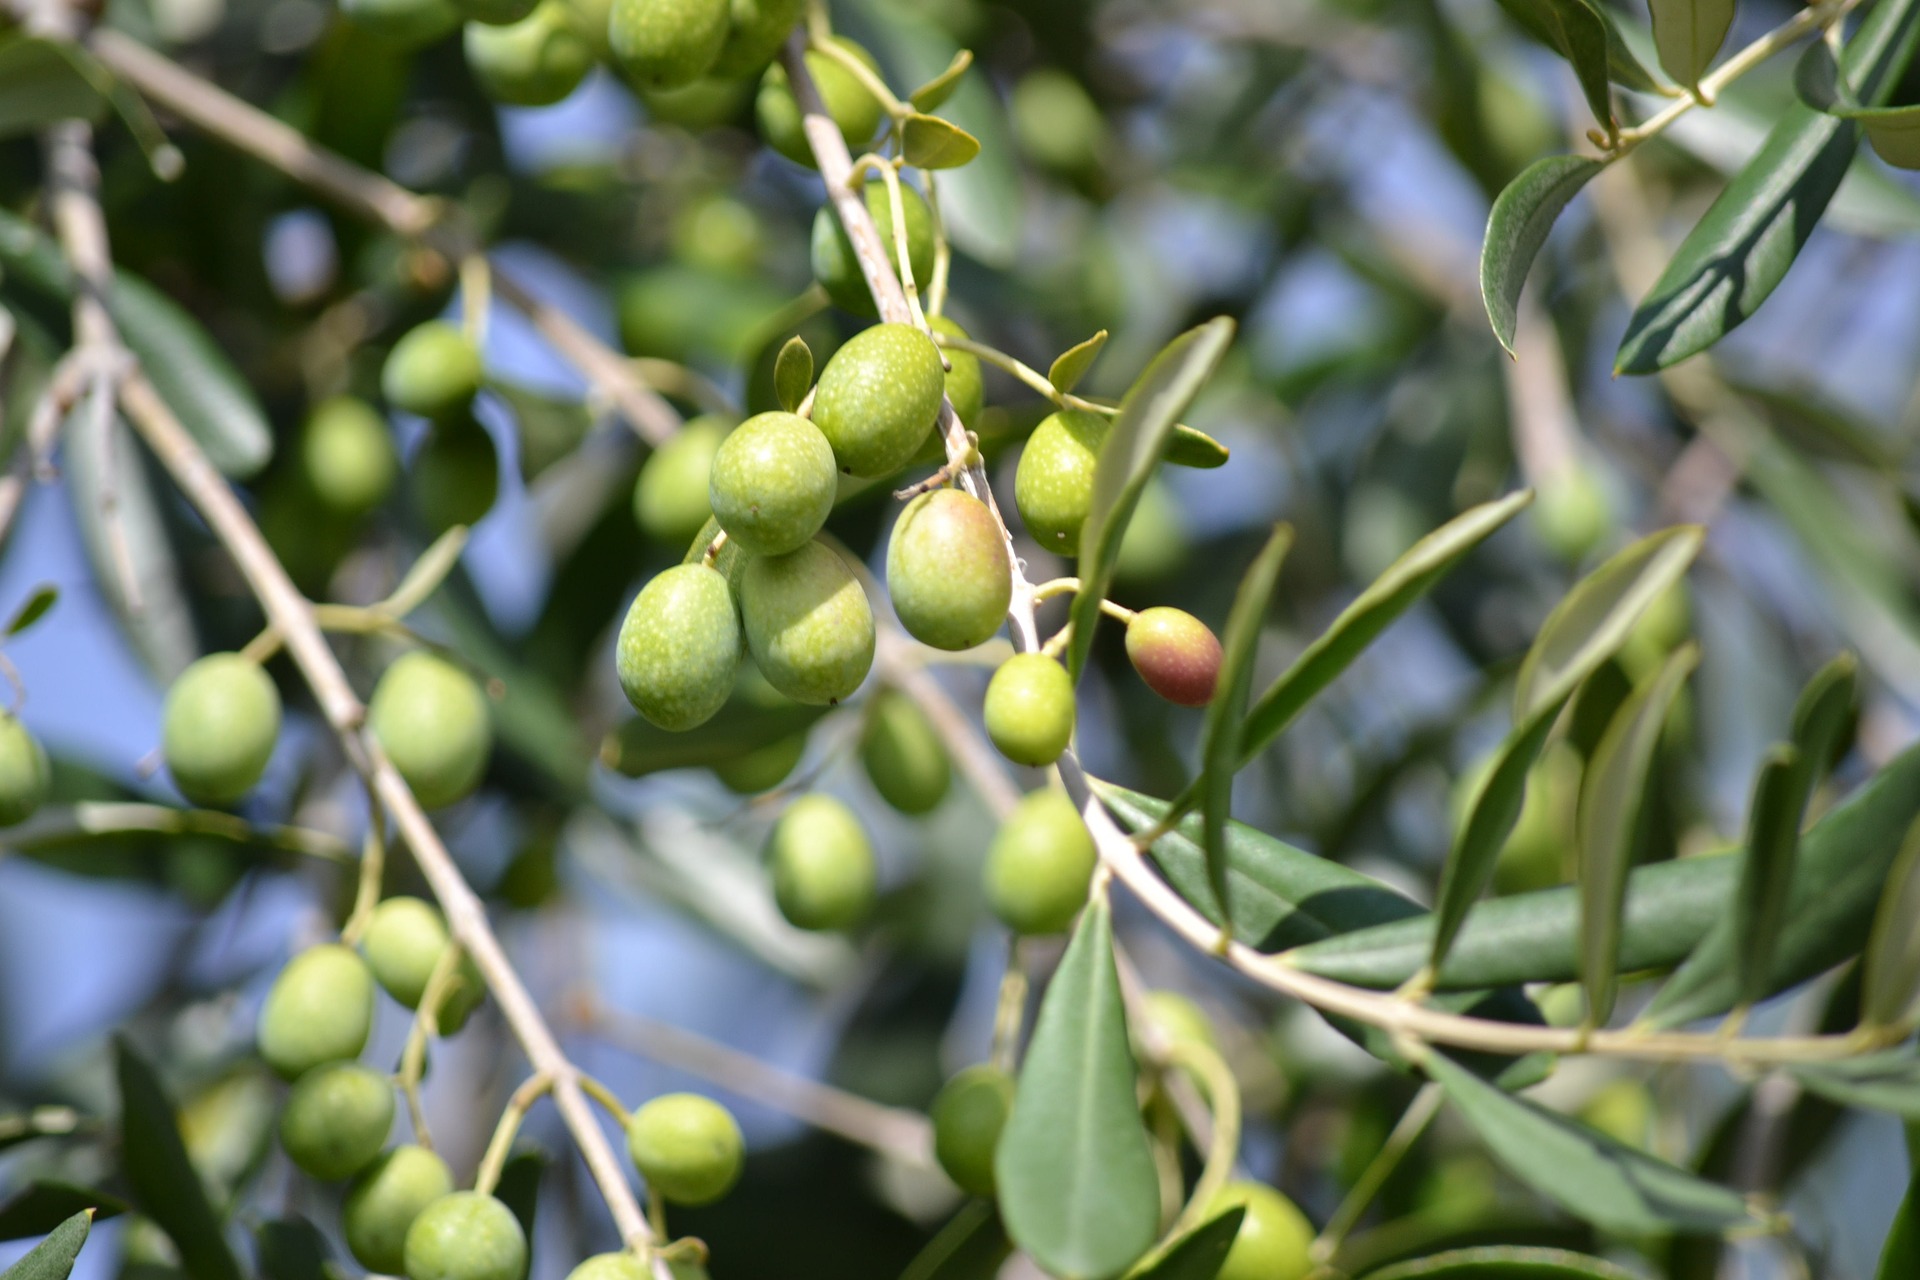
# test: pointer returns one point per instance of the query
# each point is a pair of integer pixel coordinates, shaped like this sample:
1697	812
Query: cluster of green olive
434	371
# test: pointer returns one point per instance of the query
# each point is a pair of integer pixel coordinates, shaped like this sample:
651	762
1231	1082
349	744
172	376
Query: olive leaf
1200	1253
43	1204
1900	1255
1523	214
1582	33
164	1182
793	373
1892	972
928	142
930	95
1504	1262
1072	364
53	1258
1887	1081
1893	132
291	1249
1688	34
427	573
972	1245
35	608
1773	837
1188	447
43	81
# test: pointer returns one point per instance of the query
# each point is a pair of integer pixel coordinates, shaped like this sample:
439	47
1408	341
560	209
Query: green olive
762	768
434	371
1274	1234
903	754
1040	864
670	498
877	398
384	1201
667	44
834	263
967	1118
1571	513
347	456
948	570
496	13
24	772
432	721
455	475
1176	654
718	233
336	1119
1029	709
1053	485
318	1010
680	646
1180	1020
772	483
533	62
964	385
407	23
405	939
1056	124
611	1266
755	34
850	103
824	872
687	1147
468	1235
808	624
221	720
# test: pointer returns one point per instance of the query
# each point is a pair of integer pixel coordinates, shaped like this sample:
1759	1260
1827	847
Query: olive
762	768
221	719
404	941
336	1119
1274	1235
772	483
968	1115
755	34
964	386
24	772
319	1010
680	646
434	371
1176	654
347	456
808	624
837	268
432	721
1029	709
455	476
687	1147
667	44
1053	485
878	397
823	865
1040	864
533	62
670	498
903	754
383	1202
948	571
849	103
468	1235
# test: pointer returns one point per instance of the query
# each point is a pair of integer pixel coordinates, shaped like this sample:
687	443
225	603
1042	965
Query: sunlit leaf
165	1183
35	608
793	373
52	1258
1523	215
930	95
1072	364
928	142
1688	34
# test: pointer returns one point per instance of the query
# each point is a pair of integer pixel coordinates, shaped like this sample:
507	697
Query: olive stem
1024	372
657	1214
674	379
373	860
607	1099
1069	586
942	250
1011	1009
476	298
712	552
903	263
426	1026
1413	1122
530	1091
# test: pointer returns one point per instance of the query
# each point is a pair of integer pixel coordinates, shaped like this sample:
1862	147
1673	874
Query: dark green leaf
1582	34
1732	260
1072	364
548	427
793	373
42	81
1590	1175
34	609
1134	445
1220	734
292	1249
1688	34
52	1258
1773	837
1190	448
1893	132
1610	811
930	95
1522	216
972	1246
43	1204
1504	1262
1888	1081
1892	973
1900	1256
1822	712
1078	1189
928	142
519	1186
165	1183
1198	1255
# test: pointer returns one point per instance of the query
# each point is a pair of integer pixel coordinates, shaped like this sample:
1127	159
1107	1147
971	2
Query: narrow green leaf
1741	249
43	1204
427	573
1504	1262
1610	812
52	1258
40	84
1078	1190
930	95
1688	34
1133	448
1900	1255
165	1183
793	373
1892	973
1200	1253
1390	595
1592	1176
1581	33
1220	734
1773	837
1595	618
1522	216
1072	364
1821	715
1887	1081
43	598
1190	448
1893	132
519	1186
972	1246
928	142
291	1249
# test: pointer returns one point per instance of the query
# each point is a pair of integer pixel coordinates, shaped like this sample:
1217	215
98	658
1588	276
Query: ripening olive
432	371
347	456
762	768
903	754
1029	709
432	721
851	104
964	386
687	1147
823	865
1571	513
948	570
1039	864
533	62
772	483
221	719
1176	654
808	624
318	1010
1053	485
24	773
496	13
455	475
468	1235
877	398
666	44
611	1266
679	647
755	34
406	23
405	939
1273	1238
834	263
967	1115
383	1202
670	498
336	1119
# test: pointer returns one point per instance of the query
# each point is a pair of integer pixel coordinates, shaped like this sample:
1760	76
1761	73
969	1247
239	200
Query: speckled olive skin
336	1119
679	647
687	1147
948	571
755	32
318	1010
808	624
432	371
1274	1235
433	723
498	13
664	44
851	105
404	941
347	456
1176	654
834	263
824	874
1039	865
878	397
406	23
1053	485
455	476
772	483
221	719
964	386
903	754
670	498
383	1202
1029	709
466	1236
534	62
968	1115
24	772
